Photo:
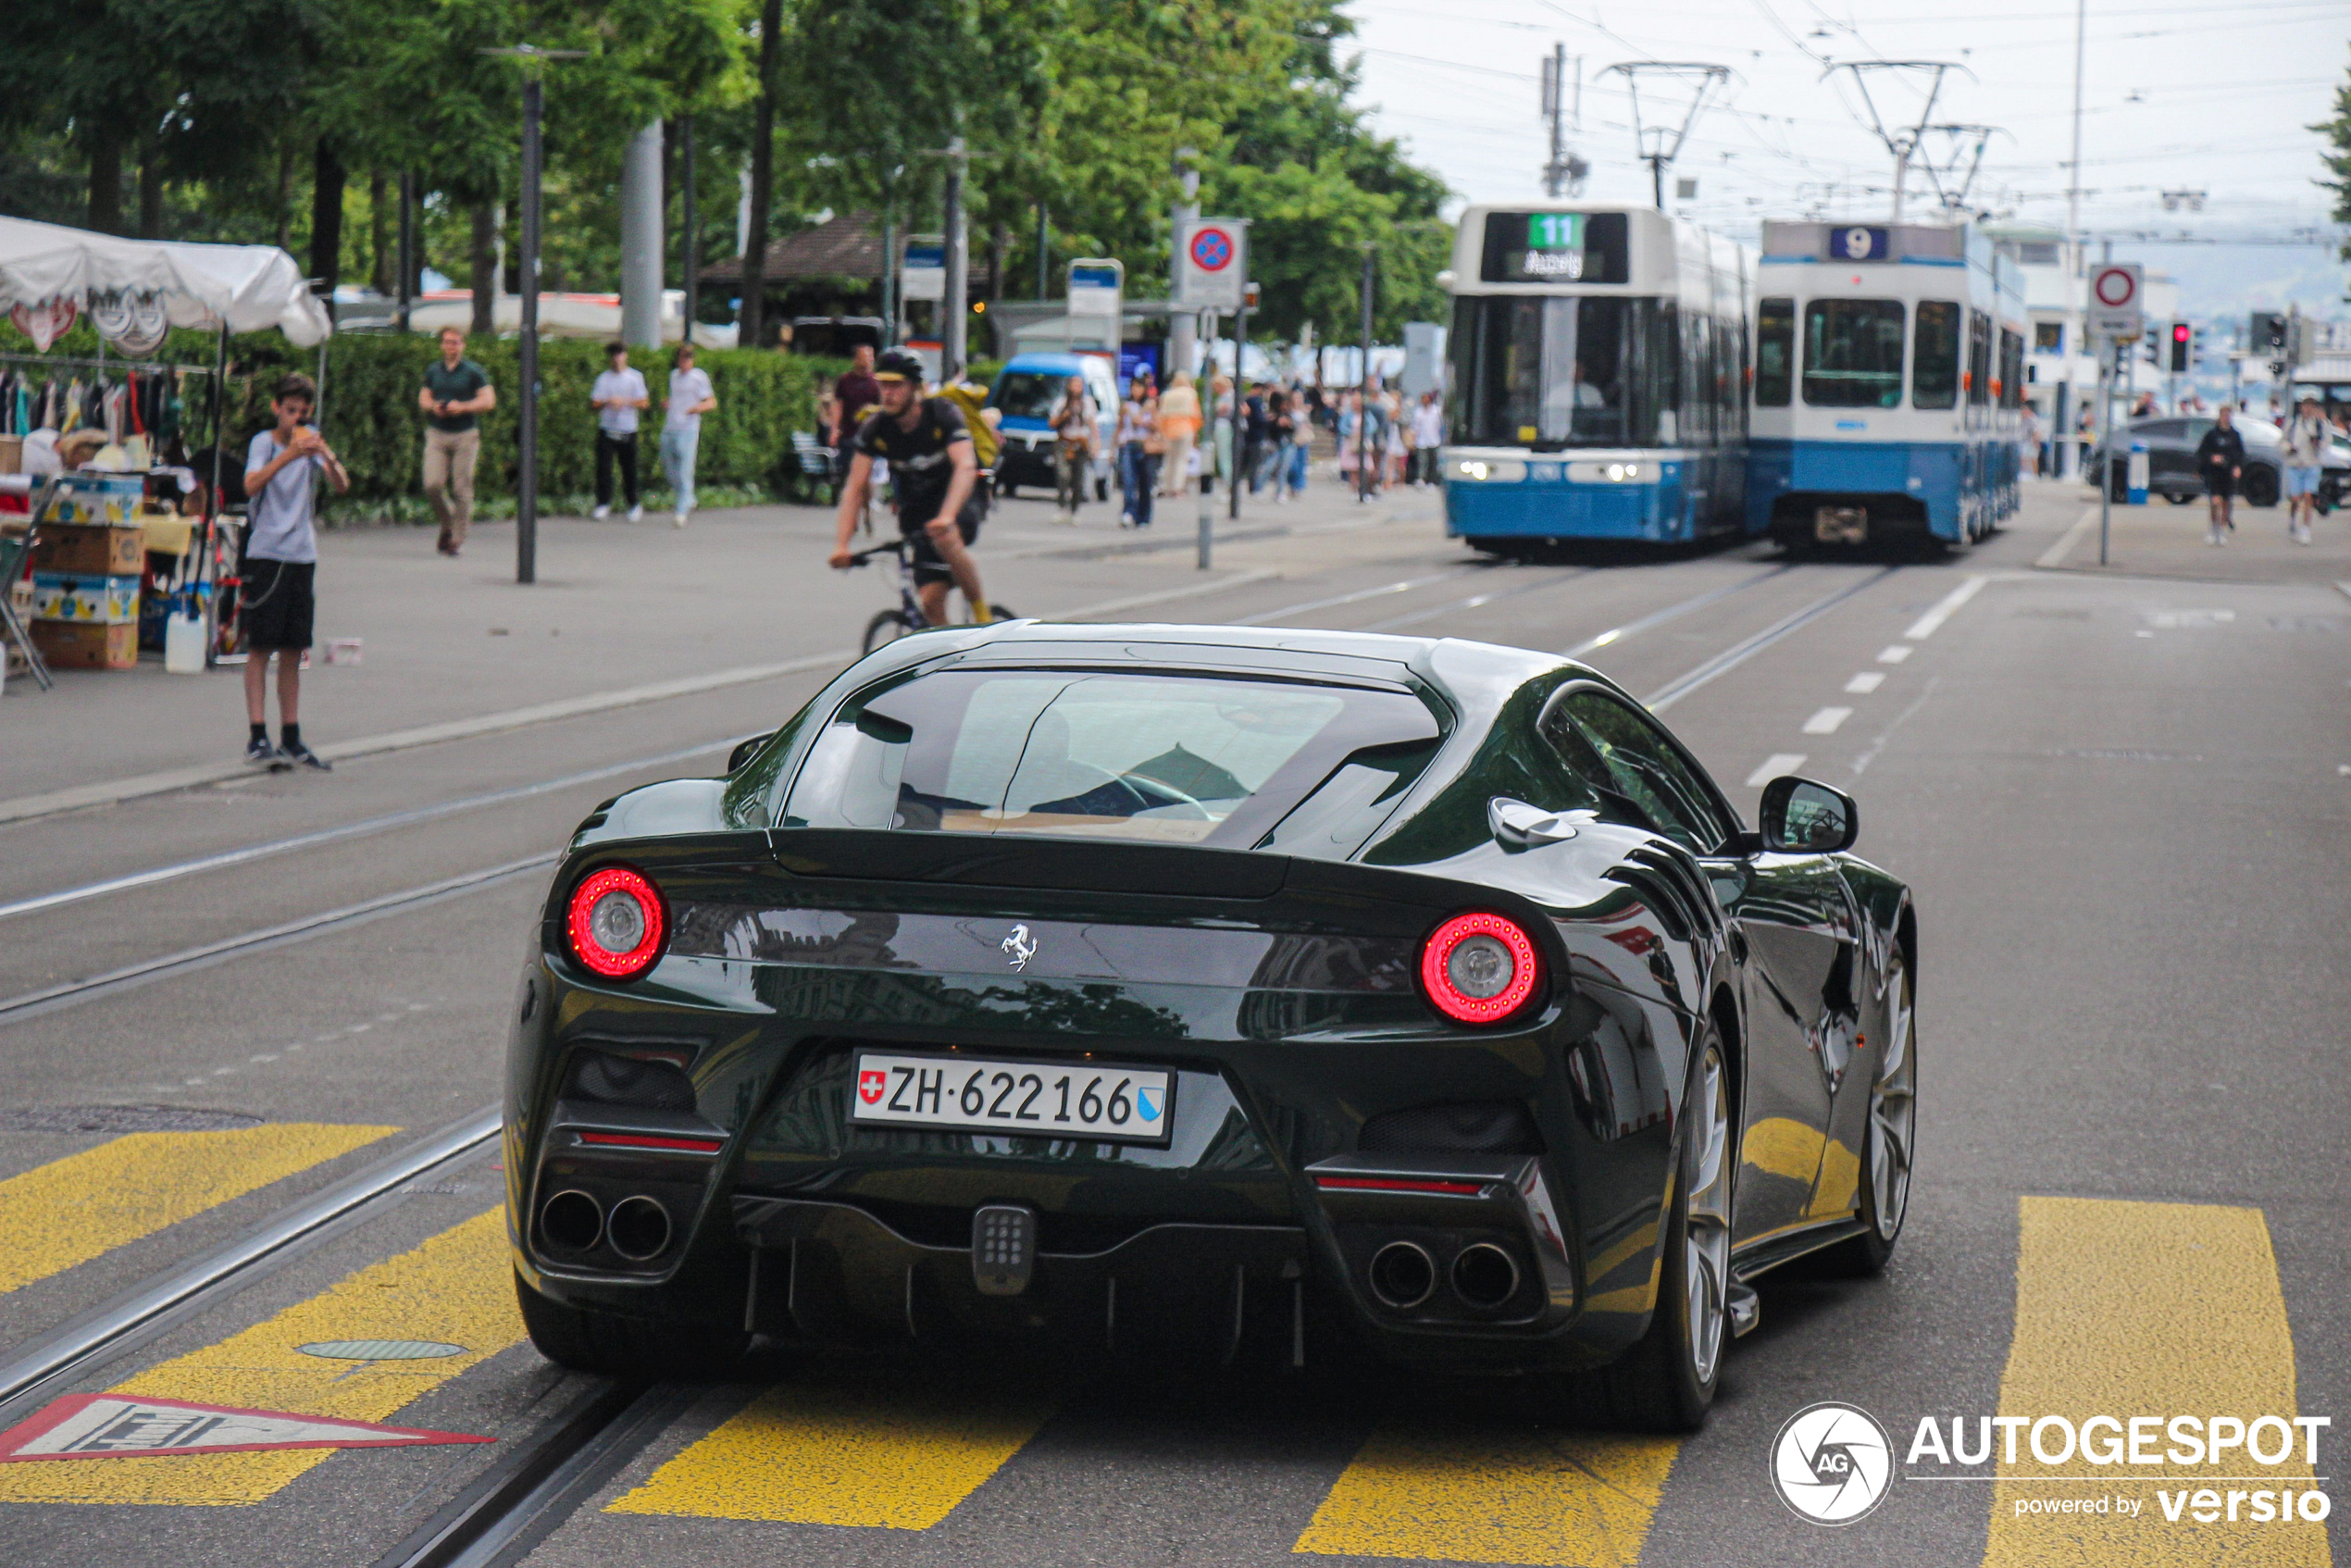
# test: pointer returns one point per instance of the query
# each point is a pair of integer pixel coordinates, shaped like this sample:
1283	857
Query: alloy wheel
1706	1255
1893	1108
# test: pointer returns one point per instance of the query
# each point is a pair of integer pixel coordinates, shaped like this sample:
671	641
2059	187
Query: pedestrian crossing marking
457	1287
2127	1308
1457	1493
889	1455
70	1210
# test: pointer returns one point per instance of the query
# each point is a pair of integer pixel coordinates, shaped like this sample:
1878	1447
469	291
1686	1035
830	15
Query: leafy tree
2337	131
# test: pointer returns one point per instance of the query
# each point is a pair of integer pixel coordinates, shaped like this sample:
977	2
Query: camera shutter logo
1832	1464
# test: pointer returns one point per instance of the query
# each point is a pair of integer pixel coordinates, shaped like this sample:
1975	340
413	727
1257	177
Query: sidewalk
2161	540
621	614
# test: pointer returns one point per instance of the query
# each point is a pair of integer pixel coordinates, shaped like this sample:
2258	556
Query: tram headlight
1488	470
1613	473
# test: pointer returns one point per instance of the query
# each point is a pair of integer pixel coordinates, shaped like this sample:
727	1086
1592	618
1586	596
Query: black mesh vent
1472	1126
608	1080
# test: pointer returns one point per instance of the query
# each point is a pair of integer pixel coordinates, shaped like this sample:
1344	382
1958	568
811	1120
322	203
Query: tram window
1775	353
1853	354
1979	357
1934	373
2011	368
1549	373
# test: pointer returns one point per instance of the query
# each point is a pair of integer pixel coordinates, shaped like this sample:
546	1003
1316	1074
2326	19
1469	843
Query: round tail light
615	924
1479	968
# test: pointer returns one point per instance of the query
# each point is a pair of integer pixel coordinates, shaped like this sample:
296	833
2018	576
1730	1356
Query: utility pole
1044	249
1206	446
1181	344
954	308
1563	173
527	345
1364	414
1241	398
752	329
1659	145
689	226
641	247
405	289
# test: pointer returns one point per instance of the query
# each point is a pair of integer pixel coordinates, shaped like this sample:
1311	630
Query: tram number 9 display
1555	247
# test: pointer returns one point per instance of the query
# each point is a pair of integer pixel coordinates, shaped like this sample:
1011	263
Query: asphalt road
2121	801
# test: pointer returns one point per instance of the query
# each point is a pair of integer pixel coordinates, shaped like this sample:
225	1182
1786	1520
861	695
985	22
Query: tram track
131	1319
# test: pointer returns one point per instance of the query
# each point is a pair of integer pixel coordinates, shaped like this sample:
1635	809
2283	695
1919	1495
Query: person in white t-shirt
690	398
617	397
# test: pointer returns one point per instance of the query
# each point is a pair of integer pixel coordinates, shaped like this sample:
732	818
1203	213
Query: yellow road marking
2144	1309
457	1288
892	1456
1462	1494
71	1210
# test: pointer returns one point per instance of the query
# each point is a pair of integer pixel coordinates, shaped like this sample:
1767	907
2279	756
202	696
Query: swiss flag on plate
870	1085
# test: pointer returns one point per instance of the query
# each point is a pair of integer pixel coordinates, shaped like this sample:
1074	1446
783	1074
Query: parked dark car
1146	990
2172	472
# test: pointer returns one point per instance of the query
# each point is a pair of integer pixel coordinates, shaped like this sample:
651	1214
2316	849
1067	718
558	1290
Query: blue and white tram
1889	370
1597	360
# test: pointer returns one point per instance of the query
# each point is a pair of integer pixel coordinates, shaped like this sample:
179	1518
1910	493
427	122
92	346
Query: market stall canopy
245	288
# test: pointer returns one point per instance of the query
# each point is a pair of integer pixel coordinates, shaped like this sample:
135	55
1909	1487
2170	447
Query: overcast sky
2175	95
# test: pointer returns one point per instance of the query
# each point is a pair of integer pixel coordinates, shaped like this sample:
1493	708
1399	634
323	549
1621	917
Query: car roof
1477	677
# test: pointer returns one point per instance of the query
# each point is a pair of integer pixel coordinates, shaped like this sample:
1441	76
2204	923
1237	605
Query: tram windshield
1552	372
1853	354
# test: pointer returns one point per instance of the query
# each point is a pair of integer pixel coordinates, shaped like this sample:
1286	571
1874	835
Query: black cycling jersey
921	460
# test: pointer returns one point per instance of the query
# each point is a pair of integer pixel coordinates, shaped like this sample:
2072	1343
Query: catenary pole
527	346
1240	399
1364	414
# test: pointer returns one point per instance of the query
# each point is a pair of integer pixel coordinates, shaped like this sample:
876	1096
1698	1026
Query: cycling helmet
900	364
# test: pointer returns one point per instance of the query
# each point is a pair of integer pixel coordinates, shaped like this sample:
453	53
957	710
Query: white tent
244	288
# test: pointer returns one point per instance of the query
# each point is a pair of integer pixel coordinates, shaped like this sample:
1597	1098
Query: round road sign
1212	250
2114	287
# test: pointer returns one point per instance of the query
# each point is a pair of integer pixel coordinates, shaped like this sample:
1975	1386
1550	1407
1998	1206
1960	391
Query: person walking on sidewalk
1179	430
2219	457
617	397
455	395
1428	438
854	396
1139	448
276	604
2305	454
690	398
1072	424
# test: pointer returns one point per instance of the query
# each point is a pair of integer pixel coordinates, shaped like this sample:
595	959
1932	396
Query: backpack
969	399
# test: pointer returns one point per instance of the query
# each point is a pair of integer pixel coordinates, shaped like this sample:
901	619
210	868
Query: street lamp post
526	349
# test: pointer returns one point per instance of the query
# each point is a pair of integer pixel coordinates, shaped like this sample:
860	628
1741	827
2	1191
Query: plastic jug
183	642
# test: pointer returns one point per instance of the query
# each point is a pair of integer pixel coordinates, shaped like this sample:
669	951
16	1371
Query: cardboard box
79	646
90	549
90	601
11	454
97	498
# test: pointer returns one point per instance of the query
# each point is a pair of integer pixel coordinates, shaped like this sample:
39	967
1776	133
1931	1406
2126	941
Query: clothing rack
154	367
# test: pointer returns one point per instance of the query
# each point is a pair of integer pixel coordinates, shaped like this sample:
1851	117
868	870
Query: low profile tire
2260	485
1888	1145
2178	497
612	1346
1666	1382
888	626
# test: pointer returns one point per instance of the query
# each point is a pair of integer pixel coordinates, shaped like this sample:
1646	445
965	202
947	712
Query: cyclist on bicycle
935	473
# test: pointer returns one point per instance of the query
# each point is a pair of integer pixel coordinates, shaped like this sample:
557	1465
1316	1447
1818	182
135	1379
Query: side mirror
1802	818
1517	826
746	749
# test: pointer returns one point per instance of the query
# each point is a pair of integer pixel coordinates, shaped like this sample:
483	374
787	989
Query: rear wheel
588	1340
1666	1382
888	626
2260	485
1887	1155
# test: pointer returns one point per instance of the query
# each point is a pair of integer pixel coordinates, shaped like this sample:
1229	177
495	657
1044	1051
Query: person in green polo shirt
455	394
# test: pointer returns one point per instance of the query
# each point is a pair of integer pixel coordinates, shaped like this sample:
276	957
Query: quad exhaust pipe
638	1227
1403	1275
1483	1275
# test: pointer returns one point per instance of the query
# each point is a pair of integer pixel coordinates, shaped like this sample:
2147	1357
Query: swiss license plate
1092	1101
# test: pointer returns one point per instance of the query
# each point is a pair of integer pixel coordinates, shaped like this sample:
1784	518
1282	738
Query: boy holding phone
276	604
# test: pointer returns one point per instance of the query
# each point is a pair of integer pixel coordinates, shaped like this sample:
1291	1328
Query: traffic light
2182	344
2269	331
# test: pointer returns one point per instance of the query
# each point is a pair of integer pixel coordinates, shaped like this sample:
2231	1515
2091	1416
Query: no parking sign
1212	262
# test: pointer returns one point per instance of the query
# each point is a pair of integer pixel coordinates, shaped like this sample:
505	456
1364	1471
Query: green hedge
372	420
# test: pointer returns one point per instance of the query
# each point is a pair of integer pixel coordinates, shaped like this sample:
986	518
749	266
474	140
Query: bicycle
888	626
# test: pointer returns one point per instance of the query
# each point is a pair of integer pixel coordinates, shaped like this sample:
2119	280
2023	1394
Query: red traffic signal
2183	346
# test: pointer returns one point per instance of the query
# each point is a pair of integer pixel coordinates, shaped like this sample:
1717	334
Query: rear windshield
1154	758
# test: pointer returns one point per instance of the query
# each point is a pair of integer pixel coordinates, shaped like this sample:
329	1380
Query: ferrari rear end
1043	1000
